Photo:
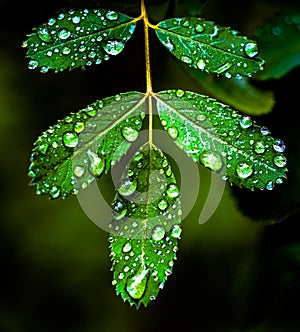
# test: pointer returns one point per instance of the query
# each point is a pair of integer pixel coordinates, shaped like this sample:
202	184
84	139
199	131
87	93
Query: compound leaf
145	227
78	38
204	45
223	140
68	156
280	47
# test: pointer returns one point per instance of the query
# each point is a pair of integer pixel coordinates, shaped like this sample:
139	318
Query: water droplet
51	21
251	50
279	181
112	15
279	145
44	34
180	93
120	209
172	190
33	64
173	132
82	48
246	122
92	54
186	59
130	134
244	170
127	187
43	148
78	171
176	231
270	185
66	50
211	160
265	131
201	64
70	139
158	233
136	284
113	47
127	247
199	28
201	117
259	147
97	164
78	127
280	160
76	19
44	70
162	204
64	34
54	192
223	68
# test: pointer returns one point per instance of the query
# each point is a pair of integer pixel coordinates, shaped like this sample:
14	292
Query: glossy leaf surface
145	227
223	140
206	46
71	154
78	38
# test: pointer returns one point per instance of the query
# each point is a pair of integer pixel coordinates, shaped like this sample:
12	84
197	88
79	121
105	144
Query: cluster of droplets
226	142
138	263
234	55
78	39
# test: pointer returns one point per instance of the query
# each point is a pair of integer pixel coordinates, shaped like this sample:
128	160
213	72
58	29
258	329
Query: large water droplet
270	185
211	160
127	187
224	67
259	147
279	145
113	47
112	15
158	233
186	59
172	190
76	19
127	247
97	164
44	34
180	93
120	209
130	134
64	34
54	192
173	132
201	64
176	231
70	139
280	160
78	171
162	204
265	131
66	50
199	27
246	122
136	284
78	127
251	50
244	170
32	64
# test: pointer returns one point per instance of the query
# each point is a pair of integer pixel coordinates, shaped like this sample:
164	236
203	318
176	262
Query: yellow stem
148	69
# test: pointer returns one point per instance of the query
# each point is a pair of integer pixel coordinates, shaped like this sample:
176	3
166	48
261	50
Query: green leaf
223	140
206	46
78	38
68	156
280	47
237	92
145	227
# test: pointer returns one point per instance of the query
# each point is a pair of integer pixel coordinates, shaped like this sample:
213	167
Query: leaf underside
206	46
145	227
221	139
71	154
78	38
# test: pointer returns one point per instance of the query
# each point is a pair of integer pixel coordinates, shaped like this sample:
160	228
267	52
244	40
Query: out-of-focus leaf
279	40
238	93
206	46
189	7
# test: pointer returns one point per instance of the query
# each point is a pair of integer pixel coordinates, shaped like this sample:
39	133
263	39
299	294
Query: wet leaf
145	227
226	142
280	47
78	39
71	154
206	46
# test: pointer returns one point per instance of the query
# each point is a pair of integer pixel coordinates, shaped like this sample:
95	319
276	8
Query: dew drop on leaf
251	50
211	160
265	131
172	190
173	132
112	15
127	187
113	47
280	160
44	34
76	19
78	127
279	146
136	284
70	139
64	34
78	171
33	64
246	122
130	134
270	185
158	233
199	27
97	164
120	209
186	59
259	147
162	204
201	64
244	170
176	231
127	247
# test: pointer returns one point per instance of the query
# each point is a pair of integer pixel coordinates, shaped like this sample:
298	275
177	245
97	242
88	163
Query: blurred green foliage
237	272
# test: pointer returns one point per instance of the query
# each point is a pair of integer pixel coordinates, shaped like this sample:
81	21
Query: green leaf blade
83	146
223	140
78	39
145	227
206	46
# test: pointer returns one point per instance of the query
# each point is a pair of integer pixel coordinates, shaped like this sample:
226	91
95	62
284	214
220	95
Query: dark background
240	271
